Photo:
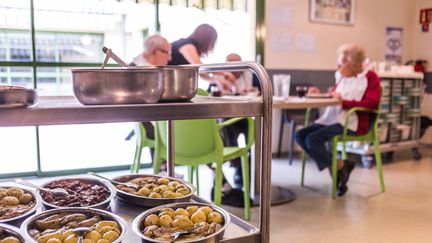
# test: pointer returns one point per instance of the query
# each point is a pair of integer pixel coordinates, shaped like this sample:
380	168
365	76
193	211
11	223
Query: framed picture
332	11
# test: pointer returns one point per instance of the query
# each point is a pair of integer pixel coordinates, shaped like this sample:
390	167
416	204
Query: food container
29	223
16	96
146	201
88	180
7	231
137	225
20	218
117	86
135	85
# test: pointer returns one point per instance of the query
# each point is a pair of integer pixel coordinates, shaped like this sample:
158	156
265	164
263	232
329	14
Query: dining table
279	194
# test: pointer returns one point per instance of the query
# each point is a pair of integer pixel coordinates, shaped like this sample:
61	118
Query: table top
294	102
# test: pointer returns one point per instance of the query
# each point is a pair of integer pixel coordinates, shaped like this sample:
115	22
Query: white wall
423	40
371	19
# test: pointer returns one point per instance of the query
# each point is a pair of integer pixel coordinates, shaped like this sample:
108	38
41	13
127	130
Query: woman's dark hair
205	38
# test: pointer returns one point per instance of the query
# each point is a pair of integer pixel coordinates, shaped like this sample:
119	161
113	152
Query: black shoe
345	174
238	178
233	197
342	190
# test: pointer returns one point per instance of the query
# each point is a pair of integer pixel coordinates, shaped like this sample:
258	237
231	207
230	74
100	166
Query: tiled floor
402	214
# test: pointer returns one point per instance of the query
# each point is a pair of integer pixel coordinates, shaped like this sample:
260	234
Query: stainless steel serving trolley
69	111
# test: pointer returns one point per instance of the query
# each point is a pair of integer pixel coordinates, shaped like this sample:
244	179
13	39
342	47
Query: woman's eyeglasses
164	51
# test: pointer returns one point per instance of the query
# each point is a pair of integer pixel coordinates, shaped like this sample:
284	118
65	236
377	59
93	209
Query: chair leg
246	188
197	178
156	163
190	173
137	160
378	162
303	159
292	131
334	167
281	135
218	184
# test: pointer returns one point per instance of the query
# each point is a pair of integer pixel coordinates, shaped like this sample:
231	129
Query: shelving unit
56	111
399	122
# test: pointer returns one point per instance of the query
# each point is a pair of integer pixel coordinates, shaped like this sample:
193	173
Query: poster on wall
393	45
332	11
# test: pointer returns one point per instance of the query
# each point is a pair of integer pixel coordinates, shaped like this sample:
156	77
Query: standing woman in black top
190	50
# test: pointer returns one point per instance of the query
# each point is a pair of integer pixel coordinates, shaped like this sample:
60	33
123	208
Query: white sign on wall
393	44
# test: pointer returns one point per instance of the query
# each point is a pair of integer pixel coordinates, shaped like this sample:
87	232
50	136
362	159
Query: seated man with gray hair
157	51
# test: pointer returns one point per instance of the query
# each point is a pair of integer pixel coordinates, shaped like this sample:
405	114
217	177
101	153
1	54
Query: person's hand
336	95
224	85
313	90
229	77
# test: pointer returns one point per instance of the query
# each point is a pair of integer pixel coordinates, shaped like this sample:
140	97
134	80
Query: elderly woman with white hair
355	87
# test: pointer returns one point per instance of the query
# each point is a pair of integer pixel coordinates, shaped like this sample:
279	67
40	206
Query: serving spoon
177	234
57	192
81	231
128	184
110	54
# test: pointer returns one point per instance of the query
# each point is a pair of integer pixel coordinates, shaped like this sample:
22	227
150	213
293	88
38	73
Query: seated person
354	87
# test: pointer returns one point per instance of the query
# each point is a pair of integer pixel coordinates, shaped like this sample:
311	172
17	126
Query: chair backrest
192	137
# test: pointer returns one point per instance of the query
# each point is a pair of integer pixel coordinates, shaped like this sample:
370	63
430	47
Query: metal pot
20	218
29	223
146	201
90	180
216	237
117	86
12	96
180	82
11	231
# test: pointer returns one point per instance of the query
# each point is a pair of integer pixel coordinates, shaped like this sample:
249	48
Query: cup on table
302	91
281	84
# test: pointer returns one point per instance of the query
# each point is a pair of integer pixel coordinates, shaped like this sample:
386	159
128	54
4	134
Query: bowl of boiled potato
16	204
194	222
10	234
57	226
152	190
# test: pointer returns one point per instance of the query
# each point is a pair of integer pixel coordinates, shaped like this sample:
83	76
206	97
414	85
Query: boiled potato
168	194
144	191
163	181
104	223
71	239
157	189
14	192
198	216
165	220
177	195
128	190
66	234
25	198
192	209
9	201
103	241
166	209
215	217
94	235
152	219
171	214
3	189
183	191
105	229
46	237
182	221
3	194
53	240
10	239
111	235
155	195
163	188
173	184
206	209
182	211
89	241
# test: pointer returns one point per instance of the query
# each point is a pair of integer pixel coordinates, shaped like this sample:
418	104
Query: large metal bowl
29	223
102	205
11	231
20	218
180	82
146	201
117	86
12	96
216	237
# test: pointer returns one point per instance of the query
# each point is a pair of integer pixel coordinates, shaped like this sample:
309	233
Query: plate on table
319	96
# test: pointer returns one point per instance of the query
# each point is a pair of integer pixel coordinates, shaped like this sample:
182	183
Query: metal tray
12	231
102	205
216	237
16	96
28	224
16	221
146	201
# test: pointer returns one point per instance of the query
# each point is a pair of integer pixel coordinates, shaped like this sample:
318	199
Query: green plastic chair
371	136
199	142
142	141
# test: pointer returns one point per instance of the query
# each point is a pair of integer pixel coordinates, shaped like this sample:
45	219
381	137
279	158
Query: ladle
57	192
81	231
131	185
110	54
